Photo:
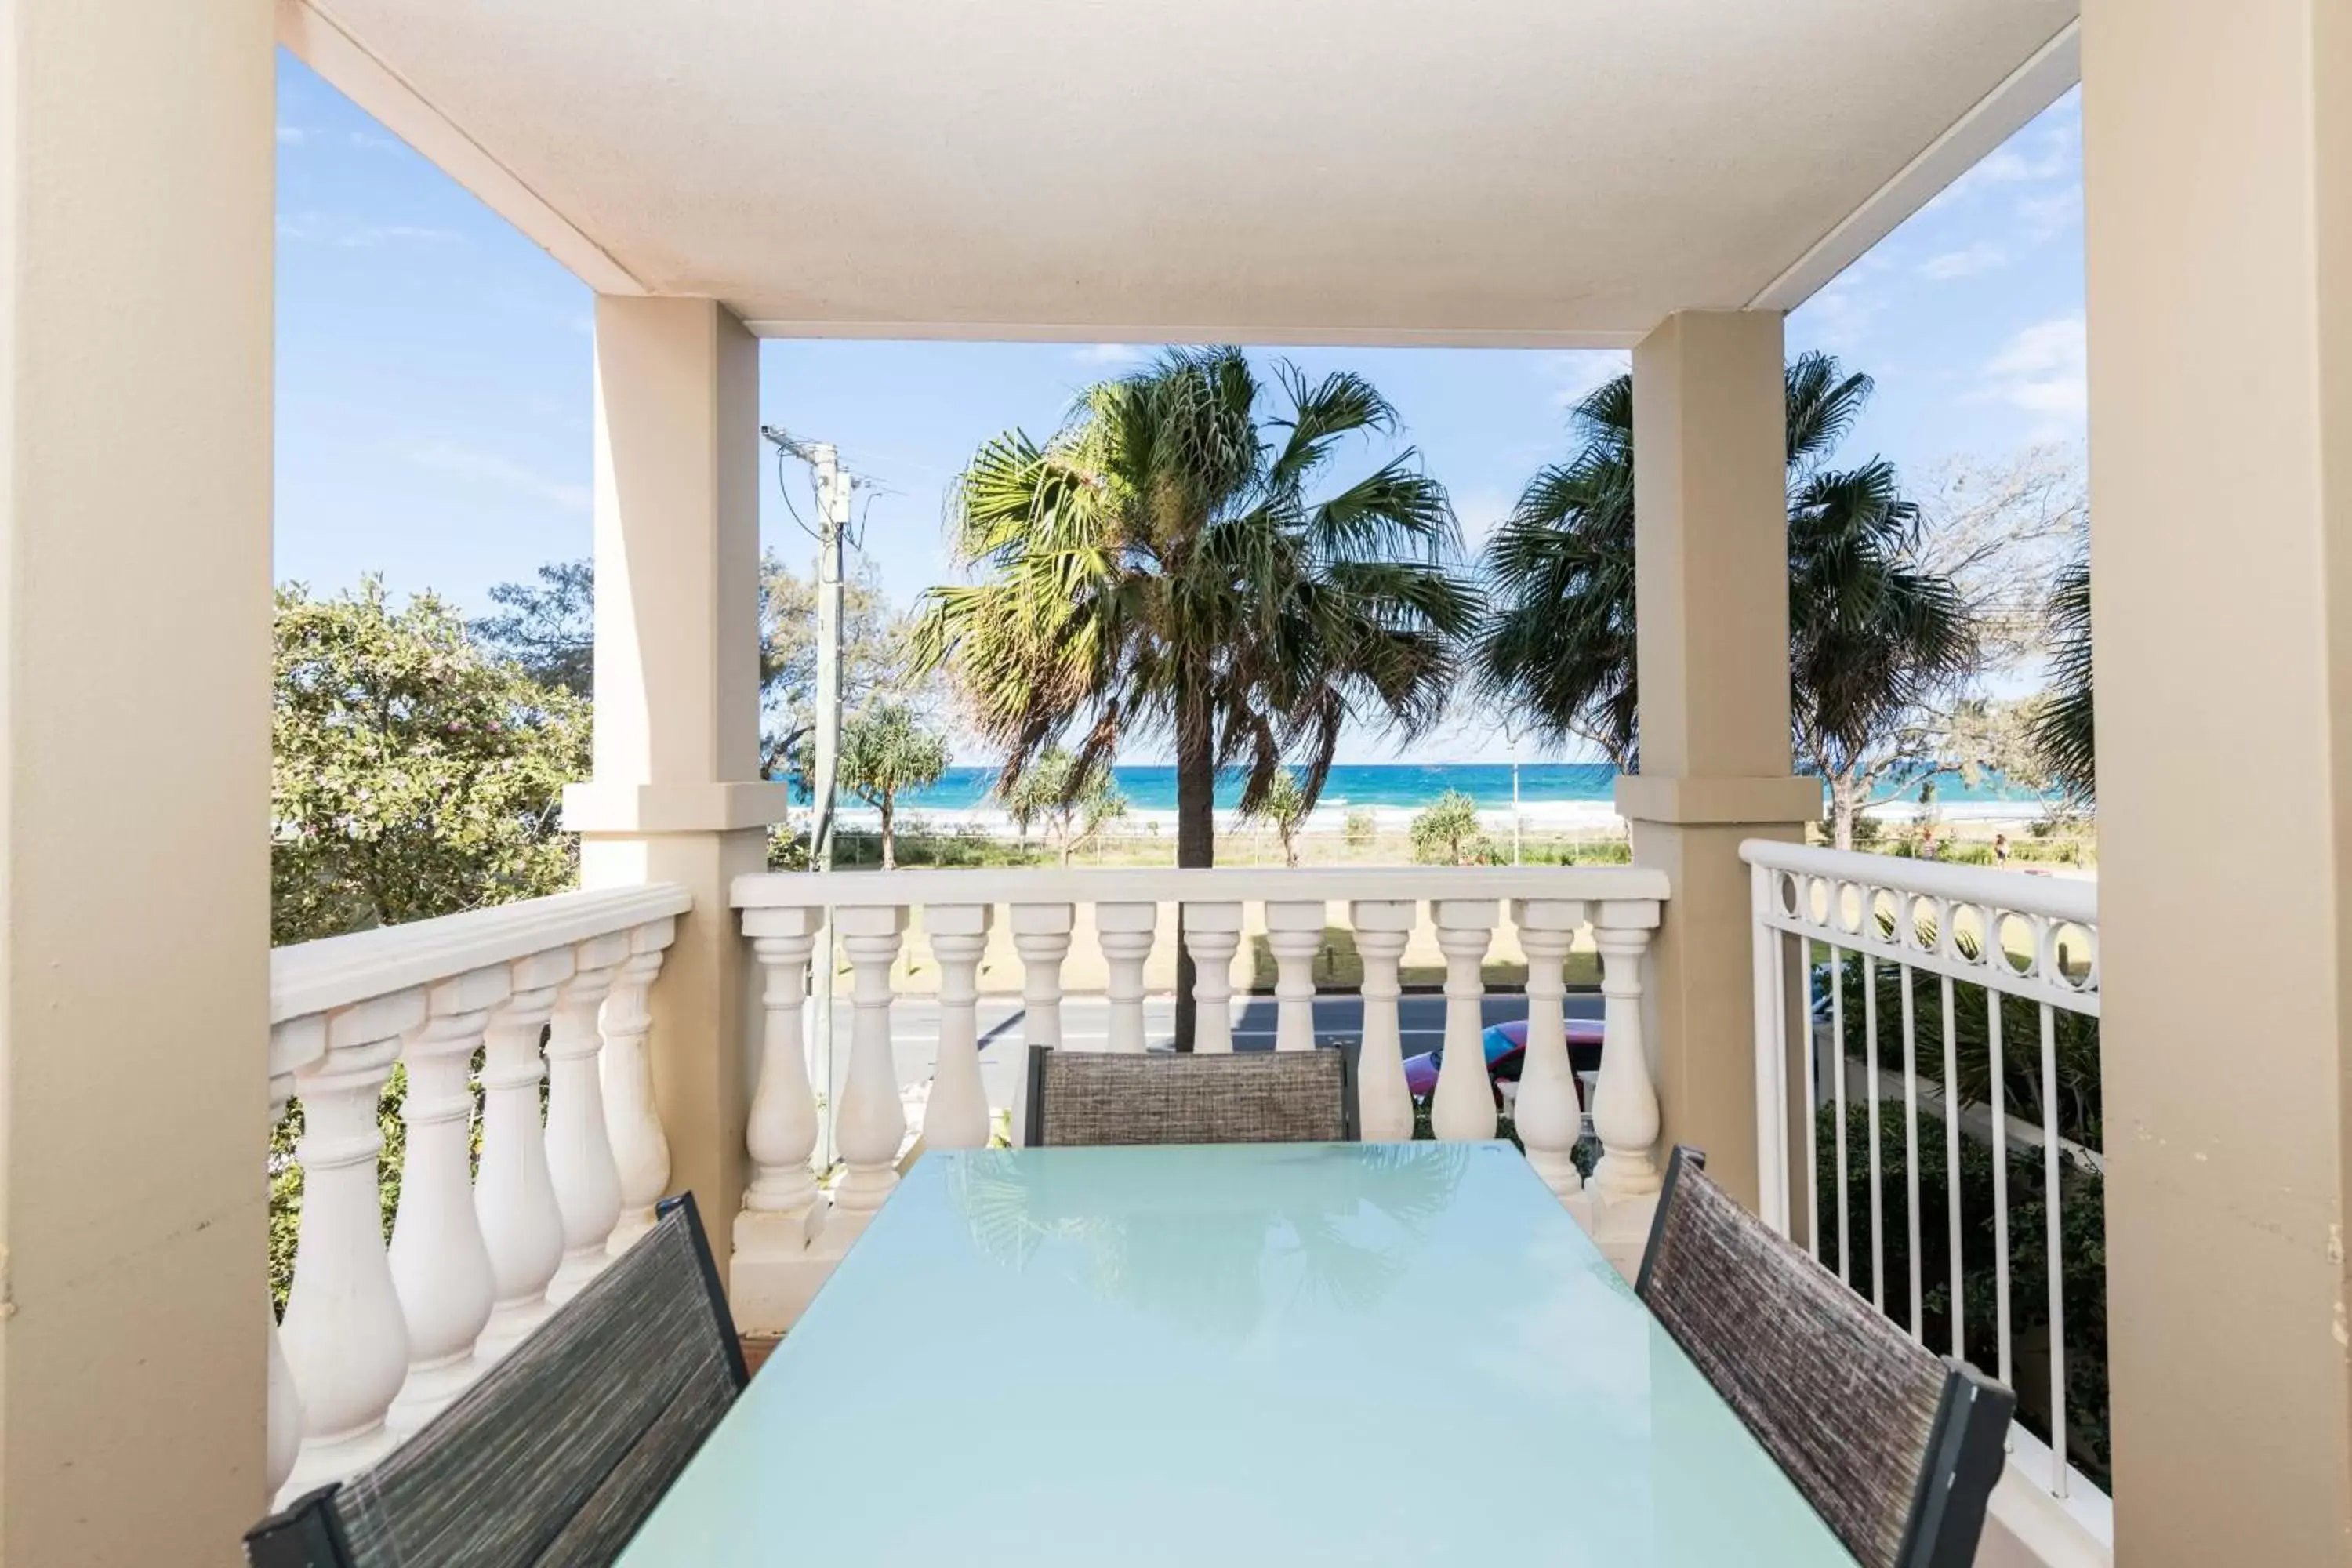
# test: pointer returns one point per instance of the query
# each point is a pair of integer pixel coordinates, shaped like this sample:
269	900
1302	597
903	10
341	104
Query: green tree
1446	832
413	774
885	752
1075	800
547	627
1283	809
1167	566
1876	635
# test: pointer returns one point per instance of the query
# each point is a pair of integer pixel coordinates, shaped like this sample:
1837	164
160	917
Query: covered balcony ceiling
1562	172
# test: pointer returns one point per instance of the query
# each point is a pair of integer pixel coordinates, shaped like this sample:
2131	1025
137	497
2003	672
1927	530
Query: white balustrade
791	1231
1992	941
1041	935
440	1263
343	1334
1212	934
956	1114
872	1119
1547	1116
1625	1102
377	1337
1384	1099
1464	1105
632	1117
580	1162
514	1193
1294	934
1126	932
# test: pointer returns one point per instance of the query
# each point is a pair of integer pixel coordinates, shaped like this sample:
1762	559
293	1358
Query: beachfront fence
1927	1091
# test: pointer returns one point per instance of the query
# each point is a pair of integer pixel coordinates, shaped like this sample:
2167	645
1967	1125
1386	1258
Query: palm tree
2062	732
1160	569
1871	635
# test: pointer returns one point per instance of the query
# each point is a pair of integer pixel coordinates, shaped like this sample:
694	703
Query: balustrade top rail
2072	900
1223	884
313	977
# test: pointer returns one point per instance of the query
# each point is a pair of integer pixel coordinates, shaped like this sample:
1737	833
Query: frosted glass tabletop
1401	1354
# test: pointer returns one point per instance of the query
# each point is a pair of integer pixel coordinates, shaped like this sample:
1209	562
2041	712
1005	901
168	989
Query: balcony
1668	179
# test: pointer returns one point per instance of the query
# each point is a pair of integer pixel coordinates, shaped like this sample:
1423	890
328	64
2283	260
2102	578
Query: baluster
632	1117
1626	1102
343	1335
1547	1113
1463	1106
1125	931
514	1196
1212	934
872	1123
1384	1103
1294	934
956	1116
579	1149
285	1401
1041	935
782	1208
439	1263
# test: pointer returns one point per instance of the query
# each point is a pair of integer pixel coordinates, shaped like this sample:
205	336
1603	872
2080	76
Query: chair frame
308	1532
1967	1441
1032	1121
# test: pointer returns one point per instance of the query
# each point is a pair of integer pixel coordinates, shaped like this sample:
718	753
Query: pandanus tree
1172	567
1874	636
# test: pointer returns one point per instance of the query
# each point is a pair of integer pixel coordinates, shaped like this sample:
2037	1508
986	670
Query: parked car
1507	1050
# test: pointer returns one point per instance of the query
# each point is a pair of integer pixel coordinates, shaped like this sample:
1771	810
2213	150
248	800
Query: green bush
2083	1276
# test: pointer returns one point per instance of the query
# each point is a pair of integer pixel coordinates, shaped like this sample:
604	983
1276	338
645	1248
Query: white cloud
501	473
320	228
2042	217
2043	371
292	136
1110	356
1982	256
1576	373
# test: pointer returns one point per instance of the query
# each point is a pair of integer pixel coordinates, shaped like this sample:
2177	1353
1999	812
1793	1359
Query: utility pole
833	520
833	487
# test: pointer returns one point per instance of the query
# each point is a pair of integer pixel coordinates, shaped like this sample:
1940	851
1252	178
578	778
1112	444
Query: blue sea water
1408	786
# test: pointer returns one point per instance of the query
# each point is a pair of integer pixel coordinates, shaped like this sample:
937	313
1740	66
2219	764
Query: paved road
914	1029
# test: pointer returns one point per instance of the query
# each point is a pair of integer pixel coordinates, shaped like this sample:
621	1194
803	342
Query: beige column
2218	182
1711	609
136	150
676	797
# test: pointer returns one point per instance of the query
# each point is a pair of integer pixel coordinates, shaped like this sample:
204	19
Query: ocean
1586	788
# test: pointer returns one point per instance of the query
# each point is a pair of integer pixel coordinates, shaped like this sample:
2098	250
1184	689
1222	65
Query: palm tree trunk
889	849
1196	839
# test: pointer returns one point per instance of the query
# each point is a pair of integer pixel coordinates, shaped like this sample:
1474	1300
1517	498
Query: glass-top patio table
1401	1354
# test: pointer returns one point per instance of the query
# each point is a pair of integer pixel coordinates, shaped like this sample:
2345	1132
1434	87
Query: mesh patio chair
1896	1448
555	1457
1247	1097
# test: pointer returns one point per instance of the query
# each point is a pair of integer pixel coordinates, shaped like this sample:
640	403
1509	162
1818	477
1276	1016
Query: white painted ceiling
1276	170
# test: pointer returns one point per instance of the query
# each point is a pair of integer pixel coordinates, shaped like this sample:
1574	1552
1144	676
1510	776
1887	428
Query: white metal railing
376	1338
1963	946
786	1220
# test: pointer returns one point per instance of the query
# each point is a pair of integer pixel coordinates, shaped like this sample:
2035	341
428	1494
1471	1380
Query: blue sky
433	372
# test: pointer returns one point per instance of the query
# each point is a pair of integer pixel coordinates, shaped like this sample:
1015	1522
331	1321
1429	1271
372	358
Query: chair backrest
1245	1097
557	1454
1897	1448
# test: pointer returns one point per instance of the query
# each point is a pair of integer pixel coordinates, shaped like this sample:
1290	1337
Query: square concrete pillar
676	795
1711	612
136	173
2218	182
